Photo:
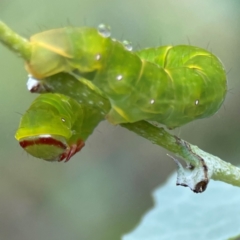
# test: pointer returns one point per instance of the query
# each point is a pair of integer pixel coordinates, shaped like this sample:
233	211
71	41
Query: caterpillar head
47	131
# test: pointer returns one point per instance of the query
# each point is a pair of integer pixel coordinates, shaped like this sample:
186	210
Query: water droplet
119	77
152	101
98	56
196	102
104	30
127	45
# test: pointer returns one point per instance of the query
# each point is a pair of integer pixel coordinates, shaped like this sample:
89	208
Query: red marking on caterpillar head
41	141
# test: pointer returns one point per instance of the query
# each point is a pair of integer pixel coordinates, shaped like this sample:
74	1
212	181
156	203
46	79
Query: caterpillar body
172	85
55	127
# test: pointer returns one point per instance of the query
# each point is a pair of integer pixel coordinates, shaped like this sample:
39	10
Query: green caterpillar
55	127
172	85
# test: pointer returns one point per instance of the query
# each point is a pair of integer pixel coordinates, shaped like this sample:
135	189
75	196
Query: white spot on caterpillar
63	120
74	132
104	30
119	77
90	102
101	103
84	94
98	56
196	102
152	101
33	84
45	136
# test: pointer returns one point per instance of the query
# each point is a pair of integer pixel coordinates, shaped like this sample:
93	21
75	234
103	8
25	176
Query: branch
201	166
15	42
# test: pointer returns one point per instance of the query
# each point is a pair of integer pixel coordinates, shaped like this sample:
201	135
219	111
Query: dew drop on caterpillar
172	85
55	127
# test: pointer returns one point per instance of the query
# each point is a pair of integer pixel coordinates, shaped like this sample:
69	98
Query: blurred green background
103	192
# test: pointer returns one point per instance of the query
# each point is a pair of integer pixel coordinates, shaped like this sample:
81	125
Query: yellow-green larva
172	85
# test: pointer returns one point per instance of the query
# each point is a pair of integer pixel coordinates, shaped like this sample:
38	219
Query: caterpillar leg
71	150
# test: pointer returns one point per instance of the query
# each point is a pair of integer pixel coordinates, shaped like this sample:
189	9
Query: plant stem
14	42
